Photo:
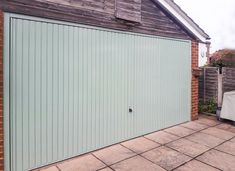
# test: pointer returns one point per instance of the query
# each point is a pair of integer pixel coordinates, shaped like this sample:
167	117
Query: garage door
71	89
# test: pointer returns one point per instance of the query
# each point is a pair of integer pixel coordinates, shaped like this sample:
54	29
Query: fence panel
228	79
208	83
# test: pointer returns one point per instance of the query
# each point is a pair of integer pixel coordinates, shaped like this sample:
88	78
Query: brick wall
194	100
1	91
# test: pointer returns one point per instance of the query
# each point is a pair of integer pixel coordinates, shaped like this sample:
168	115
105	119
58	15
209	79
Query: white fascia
184	20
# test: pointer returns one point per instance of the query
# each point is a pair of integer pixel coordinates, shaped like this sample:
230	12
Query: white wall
202	58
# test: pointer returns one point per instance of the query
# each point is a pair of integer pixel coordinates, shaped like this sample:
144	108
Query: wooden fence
208	82
228	79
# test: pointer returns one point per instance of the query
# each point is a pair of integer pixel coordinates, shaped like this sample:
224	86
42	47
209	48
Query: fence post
204	85
220	88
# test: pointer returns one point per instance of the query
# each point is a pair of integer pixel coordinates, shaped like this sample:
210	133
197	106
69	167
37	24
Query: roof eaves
184	19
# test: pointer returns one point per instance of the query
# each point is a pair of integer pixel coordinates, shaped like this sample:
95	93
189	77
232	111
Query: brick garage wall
1	92
194	89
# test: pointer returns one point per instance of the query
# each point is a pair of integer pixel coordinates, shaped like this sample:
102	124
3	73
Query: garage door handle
130	110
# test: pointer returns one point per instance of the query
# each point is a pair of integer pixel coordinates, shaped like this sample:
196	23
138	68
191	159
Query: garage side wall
194	96
1	91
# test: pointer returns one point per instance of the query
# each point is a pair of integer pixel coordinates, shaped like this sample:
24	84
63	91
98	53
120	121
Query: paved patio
202	145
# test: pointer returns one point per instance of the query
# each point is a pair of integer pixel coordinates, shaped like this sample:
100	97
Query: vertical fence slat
208	83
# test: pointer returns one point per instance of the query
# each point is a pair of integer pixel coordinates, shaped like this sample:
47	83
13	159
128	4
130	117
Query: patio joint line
160	143
218	137
105	168
122	160
192	158
178	135
199	131
100	161
197	123
142	152
224	152
57	167
144	157
195	158
135	154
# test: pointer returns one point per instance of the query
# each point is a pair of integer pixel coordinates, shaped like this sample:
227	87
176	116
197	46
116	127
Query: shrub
223	58
210	106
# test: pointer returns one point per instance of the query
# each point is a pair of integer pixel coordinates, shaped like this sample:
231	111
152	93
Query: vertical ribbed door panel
71	87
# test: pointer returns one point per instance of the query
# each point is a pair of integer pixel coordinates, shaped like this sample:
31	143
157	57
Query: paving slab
195	165
162	137
208	122
194	126
136	163
166	157
233	140
187	147
52	168
205	139
106	169
220	160
113	154
227	127
228	147
84	163
140	145
226	135
179	131
212	117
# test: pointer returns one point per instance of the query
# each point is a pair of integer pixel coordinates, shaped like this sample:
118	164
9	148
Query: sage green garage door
69	89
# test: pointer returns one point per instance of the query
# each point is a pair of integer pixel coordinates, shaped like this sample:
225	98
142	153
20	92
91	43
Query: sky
215	17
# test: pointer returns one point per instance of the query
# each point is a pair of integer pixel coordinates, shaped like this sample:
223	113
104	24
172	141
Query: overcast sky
215	17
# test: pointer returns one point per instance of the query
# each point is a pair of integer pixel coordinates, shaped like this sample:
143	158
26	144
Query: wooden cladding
129	10
106	6
154	21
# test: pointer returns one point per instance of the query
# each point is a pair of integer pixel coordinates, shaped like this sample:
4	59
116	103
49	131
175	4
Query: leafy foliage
210	106
223	58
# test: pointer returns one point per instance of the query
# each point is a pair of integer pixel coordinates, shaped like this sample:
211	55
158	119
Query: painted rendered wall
202	54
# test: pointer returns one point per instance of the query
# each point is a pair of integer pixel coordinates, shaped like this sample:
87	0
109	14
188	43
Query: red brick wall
1	91
194	88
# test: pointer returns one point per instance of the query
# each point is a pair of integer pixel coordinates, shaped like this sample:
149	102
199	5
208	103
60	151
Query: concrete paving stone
140	145
166	157
233	140
228	147
106	169
220	160
195	165
187	147
162	137
207	116
227	127
226	135
179	131
205	139
194	126
113	154
136	163
208	122
84	163
52	168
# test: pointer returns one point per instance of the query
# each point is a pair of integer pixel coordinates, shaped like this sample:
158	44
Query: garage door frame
6	76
